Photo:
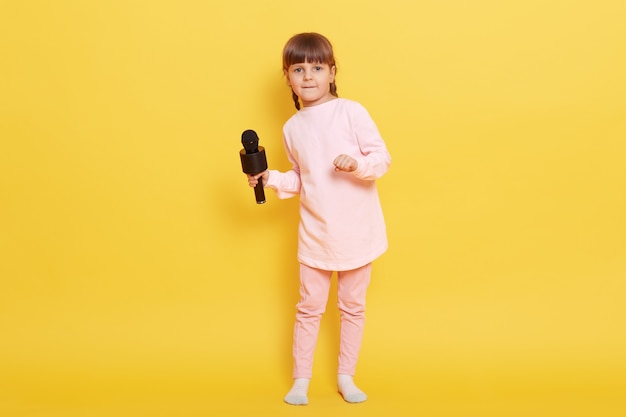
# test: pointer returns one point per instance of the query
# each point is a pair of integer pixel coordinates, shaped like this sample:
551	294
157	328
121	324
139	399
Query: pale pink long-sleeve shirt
341	219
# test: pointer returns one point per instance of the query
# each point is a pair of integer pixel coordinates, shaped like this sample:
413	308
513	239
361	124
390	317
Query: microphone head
250	141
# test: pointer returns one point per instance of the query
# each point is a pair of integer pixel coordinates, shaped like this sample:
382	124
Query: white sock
350	392
297	394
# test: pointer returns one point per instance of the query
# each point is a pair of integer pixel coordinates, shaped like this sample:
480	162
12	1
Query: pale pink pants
314	288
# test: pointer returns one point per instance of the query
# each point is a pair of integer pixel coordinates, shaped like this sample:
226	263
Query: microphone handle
259	193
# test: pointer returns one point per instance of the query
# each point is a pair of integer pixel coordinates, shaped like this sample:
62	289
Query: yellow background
138	276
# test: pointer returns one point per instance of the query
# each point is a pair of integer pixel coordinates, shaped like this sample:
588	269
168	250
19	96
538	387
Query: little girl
337	154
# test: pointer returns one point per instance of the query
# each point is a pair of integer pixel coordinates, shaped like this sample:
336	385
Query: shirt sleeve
285	184
375	159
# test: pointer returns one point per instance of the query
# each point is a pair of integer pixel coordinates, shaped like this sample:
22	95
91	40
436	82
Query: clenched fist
345	163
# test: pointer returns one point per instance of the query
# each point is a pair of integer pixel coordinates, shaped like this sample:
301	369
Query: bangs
308	47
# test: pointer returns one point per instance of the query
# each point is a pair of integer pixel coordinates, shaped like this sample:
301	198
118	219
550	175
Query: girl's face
311	82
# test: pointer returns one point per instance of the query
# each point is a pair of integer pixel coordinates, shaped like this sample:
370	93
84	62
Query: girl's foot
297	395
350	392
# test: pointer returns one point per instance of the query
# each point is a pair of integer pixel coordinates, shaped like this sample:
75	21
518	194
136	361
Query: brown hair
309	47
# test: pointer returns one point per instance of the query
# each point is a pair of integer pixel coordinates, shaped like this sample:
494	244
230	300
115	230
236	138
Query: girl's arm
374	160
285	184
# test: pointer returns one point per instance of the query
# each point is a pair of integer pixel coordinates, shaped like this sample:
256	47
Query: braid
333	89
296	99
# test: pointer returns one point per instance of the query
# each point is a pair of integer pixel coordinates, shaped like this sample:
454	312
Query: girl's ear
332	73
286	74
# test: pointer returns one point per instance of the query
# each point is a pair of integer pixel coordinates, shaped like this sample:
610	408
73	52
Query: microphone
253	161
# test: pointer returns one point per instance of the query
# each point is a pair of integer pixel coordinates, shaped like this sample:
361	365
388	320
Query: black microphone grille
250	141
249	136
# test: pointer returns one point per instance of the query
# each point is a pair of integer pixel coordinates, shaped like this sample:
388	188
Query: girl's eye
297	70
318	68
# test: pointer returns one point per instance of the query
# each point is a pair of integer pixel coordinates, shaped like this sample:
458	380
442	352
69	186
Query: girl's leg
314	287
352	288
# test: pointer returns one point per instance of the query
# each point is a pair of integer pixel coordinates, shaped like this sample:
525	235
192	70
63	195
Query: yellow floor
390	394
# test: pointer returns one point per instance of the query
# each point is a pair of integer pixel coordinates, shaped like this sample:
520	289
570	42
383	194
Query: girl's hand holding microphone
253	180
